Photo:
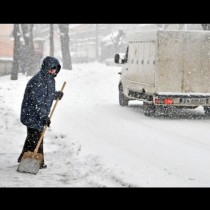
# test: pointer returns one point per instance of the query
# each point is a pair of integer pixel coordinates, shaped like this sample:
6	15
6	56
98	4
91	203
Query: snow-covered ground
94	142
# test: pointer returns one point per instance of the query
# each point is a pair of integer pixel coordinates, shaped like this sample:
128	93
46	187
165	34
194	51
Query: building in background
106	39
6	48
6	41
83	39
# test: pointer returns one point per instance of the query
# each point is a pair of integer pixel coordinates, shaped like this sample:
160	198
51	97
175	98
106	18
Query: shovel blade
30	163
31	166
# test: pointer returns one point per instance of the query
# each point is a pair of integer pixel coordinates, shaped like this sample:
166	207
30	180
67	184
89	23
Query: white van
166	69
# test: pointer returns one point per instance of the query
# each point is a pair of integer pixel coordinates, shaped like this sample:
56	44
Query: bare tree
97	56
30	65
15	64
51	40
64	37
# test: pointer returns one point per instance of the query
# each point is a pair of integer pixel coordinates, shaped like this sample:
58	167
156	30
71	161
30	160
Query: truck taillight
163	101
168	101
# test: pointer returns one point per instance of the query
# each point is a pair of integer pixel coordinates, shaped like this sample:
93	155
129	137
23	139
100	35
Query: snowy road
93	142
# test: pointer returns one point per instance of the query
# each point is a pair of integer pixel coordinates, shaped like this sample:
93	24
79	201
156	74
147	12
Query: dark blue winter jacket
39	95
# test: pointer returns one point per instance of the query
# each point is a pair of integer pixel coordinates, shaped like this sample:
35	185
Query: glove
47	121
59	95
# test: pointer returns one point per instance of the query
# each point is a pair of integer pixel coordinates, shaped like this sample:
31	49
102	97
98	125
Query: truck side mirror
116	58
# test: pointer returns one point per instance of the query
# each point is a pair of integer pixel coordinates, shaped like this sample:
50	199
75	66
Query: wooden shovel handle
57	101
43	132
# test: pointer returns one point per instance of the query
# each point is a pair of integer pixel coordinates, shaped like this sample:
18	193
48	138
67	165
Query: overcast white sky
94	142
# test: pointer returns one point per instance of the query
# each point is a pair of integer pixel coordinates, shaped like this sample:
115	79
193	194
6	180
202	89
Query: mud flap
149	109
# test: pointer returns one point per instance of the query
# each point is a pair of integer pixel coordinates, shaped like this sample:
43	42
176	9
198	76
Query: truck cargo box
167	64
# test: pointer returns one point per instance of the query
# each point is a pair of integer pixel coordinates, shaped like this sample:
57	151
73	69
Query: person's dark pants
31	141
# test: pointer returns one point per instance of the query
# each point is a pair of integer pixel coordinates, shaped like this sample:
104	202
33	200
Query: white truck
166	69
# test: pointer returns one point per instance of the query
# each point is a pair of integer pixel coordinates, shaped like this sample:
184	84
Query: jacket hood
50	62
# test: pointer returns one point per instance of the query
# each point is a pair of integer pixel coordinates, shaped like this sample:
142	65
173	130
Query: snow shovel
31	161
